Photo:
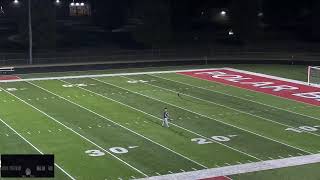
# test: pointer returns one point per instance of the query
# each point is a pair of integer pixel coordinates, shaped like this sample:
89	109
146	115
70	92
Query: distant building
80	9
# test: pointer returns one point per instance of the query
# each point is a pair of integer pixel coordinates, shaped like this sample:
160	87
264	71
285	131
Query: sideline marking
280	87
242	168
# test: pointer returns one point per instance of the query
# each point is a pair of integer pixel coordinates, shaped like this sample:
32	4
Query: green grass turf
61	118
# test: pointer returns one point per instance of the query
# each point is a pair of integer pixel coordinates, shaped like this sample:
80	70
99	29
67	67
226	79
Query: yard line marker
300	154
170	172
99	126
158	173
7	135
230	95
75	132
241	169
133	177
211	102
209	139
93	112
280	157
270	158
79	127
208	118
239	162
182	170
49	130
217	165
215	119
59	129
290	155
128	129
89	127
28	132
71	177
227	164
194	169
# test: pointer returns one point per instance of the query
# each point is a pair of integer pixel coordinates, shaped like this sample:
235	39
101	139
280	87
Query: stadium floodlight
82	4
223	13
230	32
16	2
72	4
77	4
58	1
314	75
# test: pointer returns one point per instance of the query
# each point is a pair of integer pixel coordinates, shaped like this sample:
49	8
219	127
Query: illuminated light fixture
58	1
77	4
16	1
231	32
72	4
260	14
82	4
223	13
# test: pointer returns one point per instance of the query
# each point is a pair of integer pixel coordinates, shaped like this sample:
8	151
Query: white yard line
240	169
234	96
103	117
102	75
240	111
199	114
75	132
70	176
171	122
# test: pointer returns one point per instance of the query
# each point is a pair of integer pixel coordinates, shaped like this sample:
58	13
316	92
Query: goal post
314	75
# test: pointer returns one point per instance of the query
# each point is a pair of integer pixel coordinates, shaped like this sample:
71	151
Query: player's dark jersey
165	115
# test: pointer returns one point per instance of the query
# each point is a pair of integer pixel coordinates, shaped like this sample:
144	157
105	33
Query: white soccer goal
314	75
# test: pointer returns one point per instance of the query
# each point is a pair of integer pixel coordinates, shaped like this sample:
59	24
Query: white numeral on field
74	85
215	138
302	129
137	81
118	150
221	138
12	89
201	141
95	153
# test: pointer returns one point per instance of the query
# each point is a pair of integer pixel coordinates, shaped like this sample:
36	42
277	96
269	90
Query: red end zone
5	78
280	87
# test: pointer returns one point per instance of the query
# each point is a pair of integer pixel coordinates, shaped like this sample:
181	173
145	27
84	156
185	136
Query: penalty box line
241	169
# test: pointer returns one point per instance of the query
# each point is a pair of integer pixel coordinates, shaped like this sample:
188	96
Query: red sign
285	88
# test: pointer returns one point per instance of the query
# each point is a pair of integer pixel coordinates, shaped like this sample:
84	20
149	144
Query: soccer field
109	126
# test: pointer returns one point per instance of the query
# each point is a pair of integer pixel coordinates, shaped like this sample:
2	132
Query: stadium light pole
30	33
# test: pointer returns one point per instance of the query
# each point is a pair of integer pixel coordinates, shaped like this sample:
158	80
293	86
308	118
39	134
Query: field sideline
109	126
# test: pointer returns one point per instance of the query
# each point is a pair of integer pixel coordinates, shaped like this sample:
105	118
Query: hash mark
158	173
7	135
300	154
89	127
194	169
182	170
170	172
59	129
239	162
49	130
280	157
228	164
28	132
270	158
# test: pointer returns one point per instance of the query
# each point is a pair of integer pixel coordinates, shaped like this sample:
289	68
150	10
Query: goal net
314	75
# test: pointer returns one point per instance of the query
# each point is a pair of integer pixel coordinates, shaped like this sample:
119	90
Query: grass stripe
75	132
242	98
91	111
211	102
171	122
217	119
70	176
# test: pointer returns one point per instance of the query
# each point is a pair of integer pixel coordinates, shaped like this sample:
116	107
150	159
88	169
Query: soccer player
165	118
